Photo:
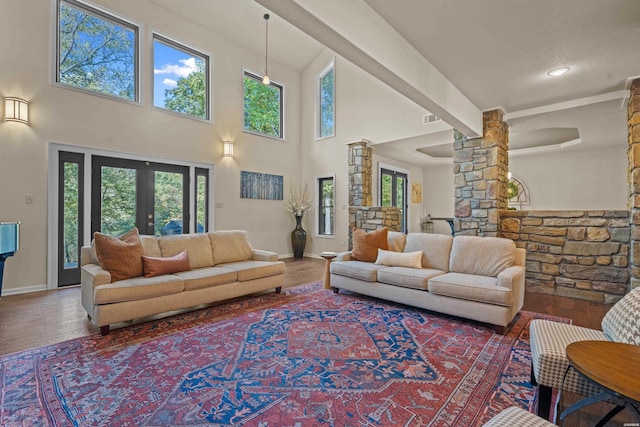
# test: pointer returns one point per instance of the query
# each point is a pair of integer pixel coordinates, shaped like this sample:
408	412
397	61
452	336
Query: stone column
360	174
480	168
633	153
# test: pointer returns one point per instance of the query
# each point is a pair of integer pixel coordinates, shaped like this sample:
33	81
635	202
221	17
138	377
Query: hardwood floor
41	318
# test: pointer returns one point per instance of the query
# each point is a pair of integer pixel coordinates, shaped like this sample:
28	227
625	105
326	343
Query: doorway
393	192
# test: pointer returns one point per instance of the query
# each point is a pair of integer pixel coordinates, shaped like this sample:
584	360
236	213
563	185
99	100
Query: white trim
318	111
23	290
316	226
282	101
52	200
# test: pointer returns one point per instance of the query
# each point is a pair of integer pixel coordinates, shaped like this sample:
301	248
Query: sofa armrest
93	275
259	255
511	276
343	256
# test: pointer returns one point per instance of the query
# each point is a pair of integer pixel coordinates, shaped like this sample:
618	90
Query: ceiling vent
430	118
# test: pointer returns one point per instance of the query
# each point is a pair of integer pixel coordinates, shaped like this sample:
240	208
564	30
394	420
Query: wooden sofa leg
104	330
278	289
499	329
336	290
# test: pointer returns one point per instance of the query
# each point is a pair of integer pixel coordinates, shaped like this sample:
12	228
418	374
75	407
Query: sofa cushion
206	277
484	256
230	246
137	288
471	287
366	245
156	266
361	270
197	245
249	270
396	241
150	245
408	277
400	259
435	248
121	256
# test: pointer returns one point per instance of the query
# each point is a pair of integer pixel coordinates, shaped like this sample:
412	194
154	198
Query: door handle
150	224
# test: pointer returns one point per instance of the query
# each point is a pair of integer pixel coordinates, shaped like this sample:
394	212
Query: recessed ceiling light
558	71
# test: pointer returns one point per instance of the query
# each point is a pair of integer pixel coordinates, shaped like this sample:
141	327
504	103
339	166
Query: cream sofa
223	265
478	278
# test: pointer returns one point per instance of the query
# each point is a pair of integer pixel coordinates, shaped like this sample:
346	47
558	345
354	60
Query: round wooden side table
614	367
328	256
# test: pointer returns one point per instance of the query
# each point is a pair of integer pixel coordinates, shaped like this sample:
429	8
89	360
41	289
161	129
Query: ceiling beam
355	31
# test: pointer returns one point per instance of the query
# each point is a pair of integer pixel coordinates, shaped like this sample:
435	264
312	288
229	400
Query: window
326	203
96	51
180	78
326	102
263	106
202	200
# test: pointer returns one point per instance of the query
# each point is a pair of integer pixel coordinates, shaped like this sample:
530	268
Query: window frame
114	19
281	87
319	77
319	206
189	50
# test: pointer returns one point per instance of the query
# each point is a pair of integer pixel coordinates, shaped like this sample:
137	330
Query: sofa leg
104	330
544	401
336	290
499	329
278	289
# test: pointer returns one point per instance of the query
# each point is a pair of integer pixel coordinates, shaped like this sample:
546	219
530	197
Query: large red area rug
307	357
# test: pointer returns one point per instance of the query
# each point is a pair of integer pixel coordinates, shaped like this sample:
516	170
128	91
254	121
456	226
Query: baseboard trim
26	290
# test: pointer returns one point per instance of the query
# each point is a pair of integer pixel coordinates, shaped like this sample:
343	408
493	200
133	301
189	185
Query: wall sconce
227	150
16	110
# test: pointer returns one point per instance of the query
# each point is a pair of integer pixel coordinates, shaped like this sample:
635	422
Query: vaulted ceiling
458	58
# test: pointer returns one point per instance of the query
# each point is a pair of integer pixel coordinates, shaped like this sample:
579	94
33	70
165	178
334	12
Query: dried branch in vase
299	201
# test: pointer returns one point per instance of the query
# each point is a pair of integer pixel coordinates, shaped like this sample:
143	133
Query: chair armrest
259	255
343	256
511	276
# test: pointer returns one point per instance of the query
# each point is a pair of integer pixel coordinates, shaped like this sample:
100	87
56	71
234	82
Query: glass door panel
118	201
393	192
70	214
202	200
168	202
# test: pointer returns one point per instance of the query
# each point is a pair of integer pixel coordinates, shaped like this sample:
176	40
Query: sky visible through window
170	65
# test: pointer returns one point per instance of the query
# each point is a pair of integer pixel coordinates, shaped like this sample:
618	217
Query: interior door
154	197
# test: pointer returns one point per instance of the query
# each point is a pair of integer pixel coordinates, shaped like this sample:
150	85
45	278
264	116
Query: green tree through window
263	106
96	52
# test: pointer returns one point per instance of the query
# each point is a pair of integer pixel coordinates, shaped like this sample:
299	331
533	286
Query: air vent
430	118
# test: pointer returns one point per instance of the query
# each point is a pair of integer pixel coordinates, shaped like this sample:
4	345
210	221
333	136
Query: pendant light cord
266	44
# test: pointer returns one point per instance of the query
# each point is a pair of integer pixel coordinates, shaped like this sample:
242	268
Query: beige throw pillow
400	259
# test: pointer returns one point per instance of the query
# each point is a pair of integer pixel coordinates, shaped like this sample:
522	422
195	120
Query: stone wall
633	176
579	254
480	168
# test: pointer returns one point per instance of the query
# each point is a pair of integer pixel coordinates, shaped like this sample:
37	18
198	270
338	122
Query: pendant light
266	80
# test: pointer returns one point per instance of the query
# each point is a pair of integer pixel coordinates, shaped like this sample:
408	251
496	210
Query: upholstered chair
549	341
514	416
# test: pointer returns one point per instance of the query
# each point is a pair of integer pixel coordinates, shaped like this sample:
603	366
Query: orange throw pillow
121	256
156	266
366	245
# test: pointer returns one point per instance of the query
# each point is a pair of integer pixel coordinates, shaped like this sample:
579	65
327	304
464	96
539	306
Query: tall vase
298	238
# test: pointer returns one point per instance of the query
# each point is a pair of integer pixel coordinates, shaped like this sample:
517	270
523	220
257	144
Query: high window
325	94
263	106
180	82
326	203
96	51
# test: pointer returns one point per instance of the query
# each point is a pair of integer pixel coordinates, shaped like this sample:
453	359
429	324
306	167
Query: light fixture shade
266	80
16	110
227	149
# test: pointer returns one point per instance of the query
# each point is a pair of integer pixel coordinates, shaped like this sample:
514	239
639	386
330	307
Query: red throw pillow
366	245
156	266
120	256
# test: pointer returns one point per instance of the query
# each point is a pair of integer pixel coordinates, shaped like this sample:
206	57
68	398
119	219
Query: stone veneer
633	116
480	168
580	254
361	214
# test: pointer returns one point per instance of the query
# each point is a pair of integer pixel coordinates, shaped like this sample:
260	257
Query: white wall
365	109
71	117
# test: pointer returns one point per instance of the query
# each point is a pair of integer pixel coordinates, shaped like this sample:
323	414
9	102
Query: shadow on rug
307	357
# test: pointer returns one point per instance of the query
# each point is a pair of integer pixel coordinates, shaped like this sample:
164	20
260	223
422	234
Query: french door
393	192
154	197
70	216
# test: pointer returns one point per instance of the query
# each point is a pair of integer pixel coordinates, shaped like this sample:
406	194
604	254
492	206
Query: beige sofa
478	278
223	265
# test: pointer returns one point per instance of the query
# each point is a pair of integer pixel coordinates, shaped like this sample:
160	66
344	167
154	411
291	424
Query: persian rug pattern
307	357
